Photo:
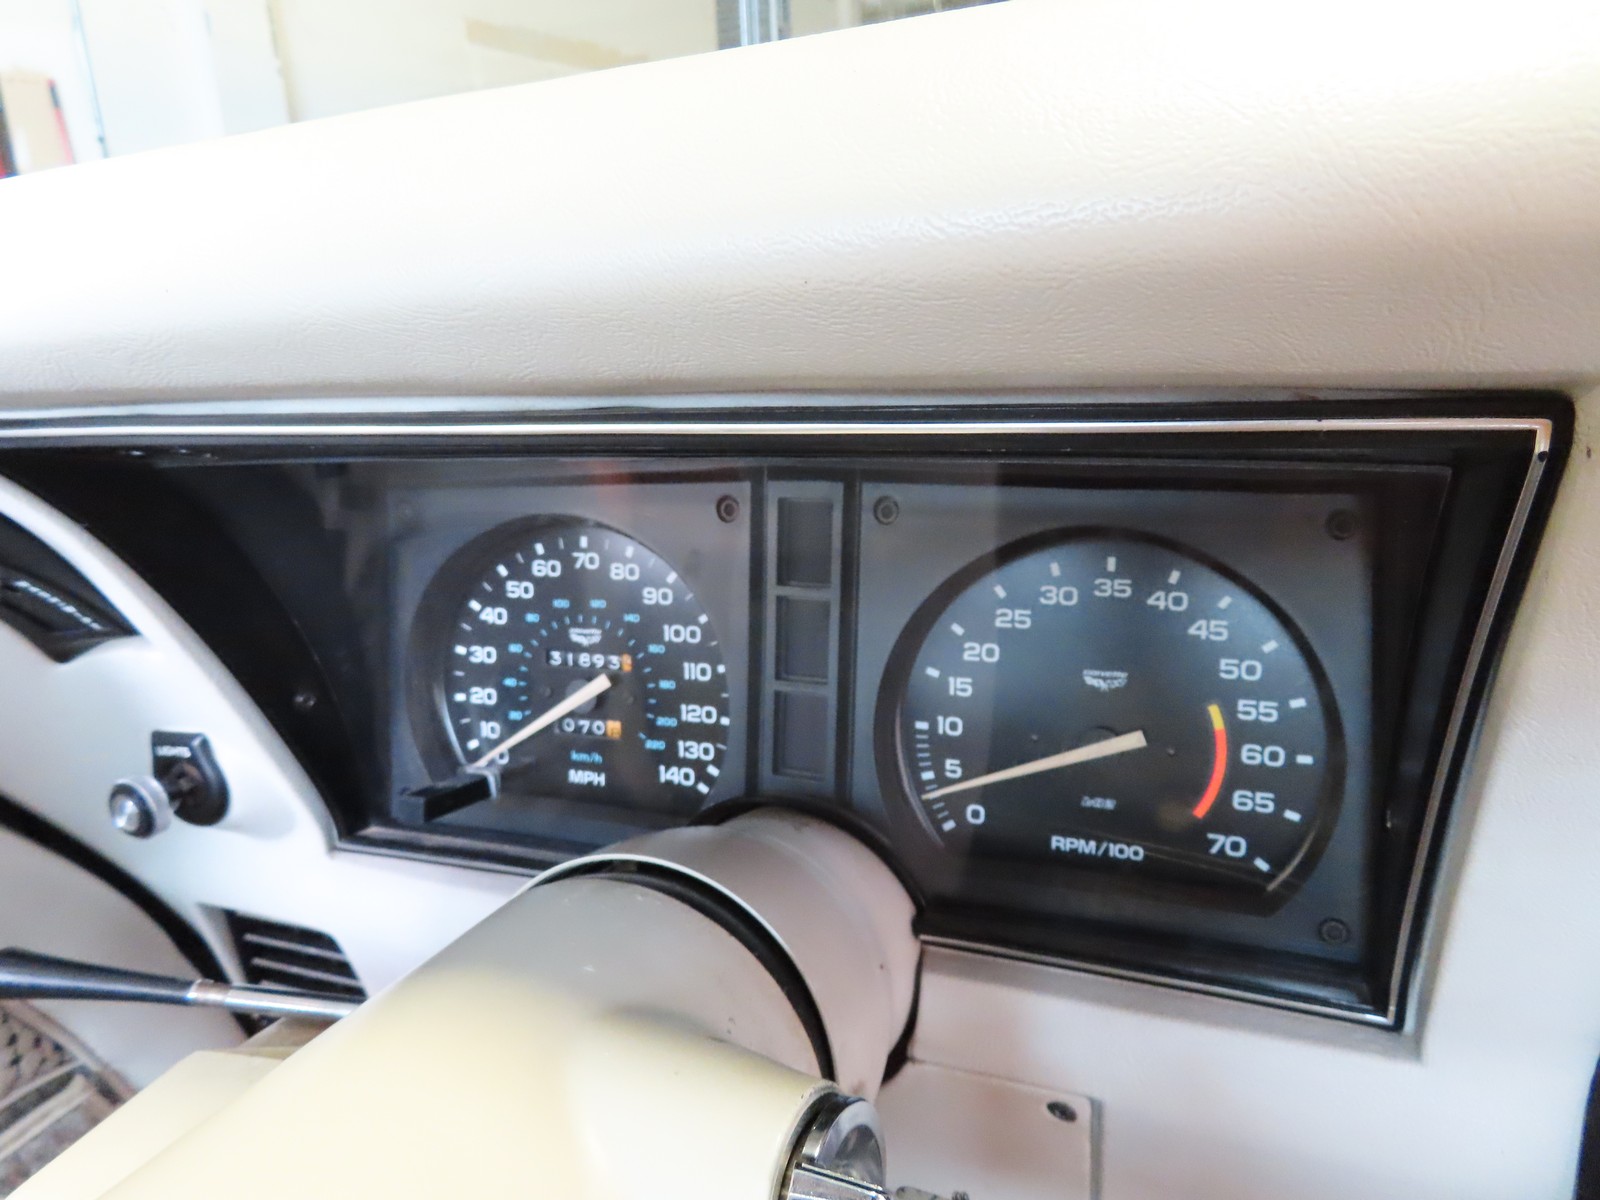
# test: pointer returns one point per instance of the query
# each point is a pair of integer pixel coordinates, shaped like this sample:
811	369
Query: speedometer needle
575	701
1120	744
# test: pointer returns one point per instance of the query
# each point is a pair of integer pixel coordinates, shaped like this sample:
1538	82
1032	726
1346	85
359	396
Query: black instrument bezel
909	814
1502	454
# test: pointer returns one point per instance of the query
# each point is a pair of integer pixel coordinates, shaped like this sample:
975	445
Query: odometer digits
578	664
1111	702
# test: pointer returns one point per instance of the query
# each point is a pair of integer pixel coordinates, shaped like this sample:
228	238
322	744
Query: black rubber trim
25	975
185	939
48	601
1588	1184
739	924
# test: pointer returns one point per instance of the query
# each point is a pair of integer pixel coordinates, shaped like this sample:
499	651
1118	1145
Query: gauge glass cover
1108	702
550	610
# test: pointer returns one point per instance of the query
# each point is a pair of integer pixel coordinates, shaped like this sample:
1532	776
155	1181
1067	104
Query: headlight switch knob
184	782
140	806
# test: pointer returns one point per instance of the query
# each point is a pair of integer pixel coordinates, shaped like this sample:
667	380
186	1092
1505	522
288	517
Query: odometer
577	664
1109	702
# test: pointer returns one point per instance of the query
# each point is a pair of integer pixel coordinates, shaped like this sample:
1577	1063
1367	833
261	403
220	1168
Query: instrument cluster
1142	716
1079	686
1184	700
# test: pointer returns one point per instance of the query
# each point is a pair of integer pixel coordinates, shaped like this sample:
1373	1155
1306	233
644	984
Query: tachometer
578	664
1108	701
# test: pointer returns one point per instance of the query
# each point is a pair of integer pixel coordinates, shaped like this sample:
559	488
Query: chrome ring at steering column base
839	1155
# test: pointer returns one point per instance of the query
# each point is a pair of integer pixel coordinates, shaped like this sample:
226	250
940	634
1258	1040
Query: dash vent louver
289	956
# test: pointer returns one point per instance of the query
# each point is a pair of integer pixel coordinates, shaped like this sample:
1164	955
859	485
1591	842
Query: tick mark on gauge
1174	577
1289	814
712	770
957	630
583	542
1111	562
460	697
931	672
928	777
703	789
627	552
1268	647
1055	569
1304	760
1263	865
1298	702
999	591
501	569
920	726
704	618
461	649
1224	602
538	547
948	826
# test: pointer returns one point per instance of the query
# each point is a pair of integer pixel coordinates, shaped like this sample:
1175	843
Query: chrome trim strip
102	431
1221	990
1473	664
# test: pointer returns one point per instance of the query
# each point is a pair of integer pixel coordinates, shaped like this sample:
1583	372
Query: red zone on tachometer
1219	764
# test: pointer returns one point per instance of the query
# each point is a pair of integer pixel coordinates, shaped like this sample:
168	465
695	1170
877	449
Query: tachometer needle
1120	744
549	717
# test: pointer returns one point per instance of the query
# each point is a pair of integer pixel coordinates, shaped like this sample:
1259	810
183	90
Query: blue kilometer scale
580	666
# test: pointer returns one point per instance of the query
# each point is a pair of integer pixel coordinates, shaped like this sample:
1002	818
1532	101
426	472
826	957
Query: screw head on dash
1341	524
1334	932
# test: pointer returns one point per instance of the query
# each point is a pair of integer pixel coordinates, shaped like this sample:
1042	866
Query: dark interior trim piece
176	541
45	599
1589	1149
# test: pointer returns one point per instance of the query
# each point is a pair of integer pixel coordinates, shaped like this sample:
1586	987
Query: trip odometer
576	663
1106	701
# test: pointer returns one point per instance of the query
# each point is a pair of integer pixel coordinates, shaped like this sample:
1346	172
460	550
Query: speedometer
1104	701
576	663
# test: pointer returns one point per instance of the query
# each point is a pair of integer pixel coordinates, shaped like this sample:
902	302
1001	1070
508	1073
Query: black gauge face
579	664
1111	703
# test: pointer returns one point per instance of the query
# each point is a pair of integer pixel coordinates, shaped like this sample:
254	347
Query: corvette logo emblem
584	637
1106	681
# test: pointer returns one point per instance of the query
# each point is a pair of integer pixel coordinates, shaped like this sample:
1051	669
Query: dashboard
991	224
1182	698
